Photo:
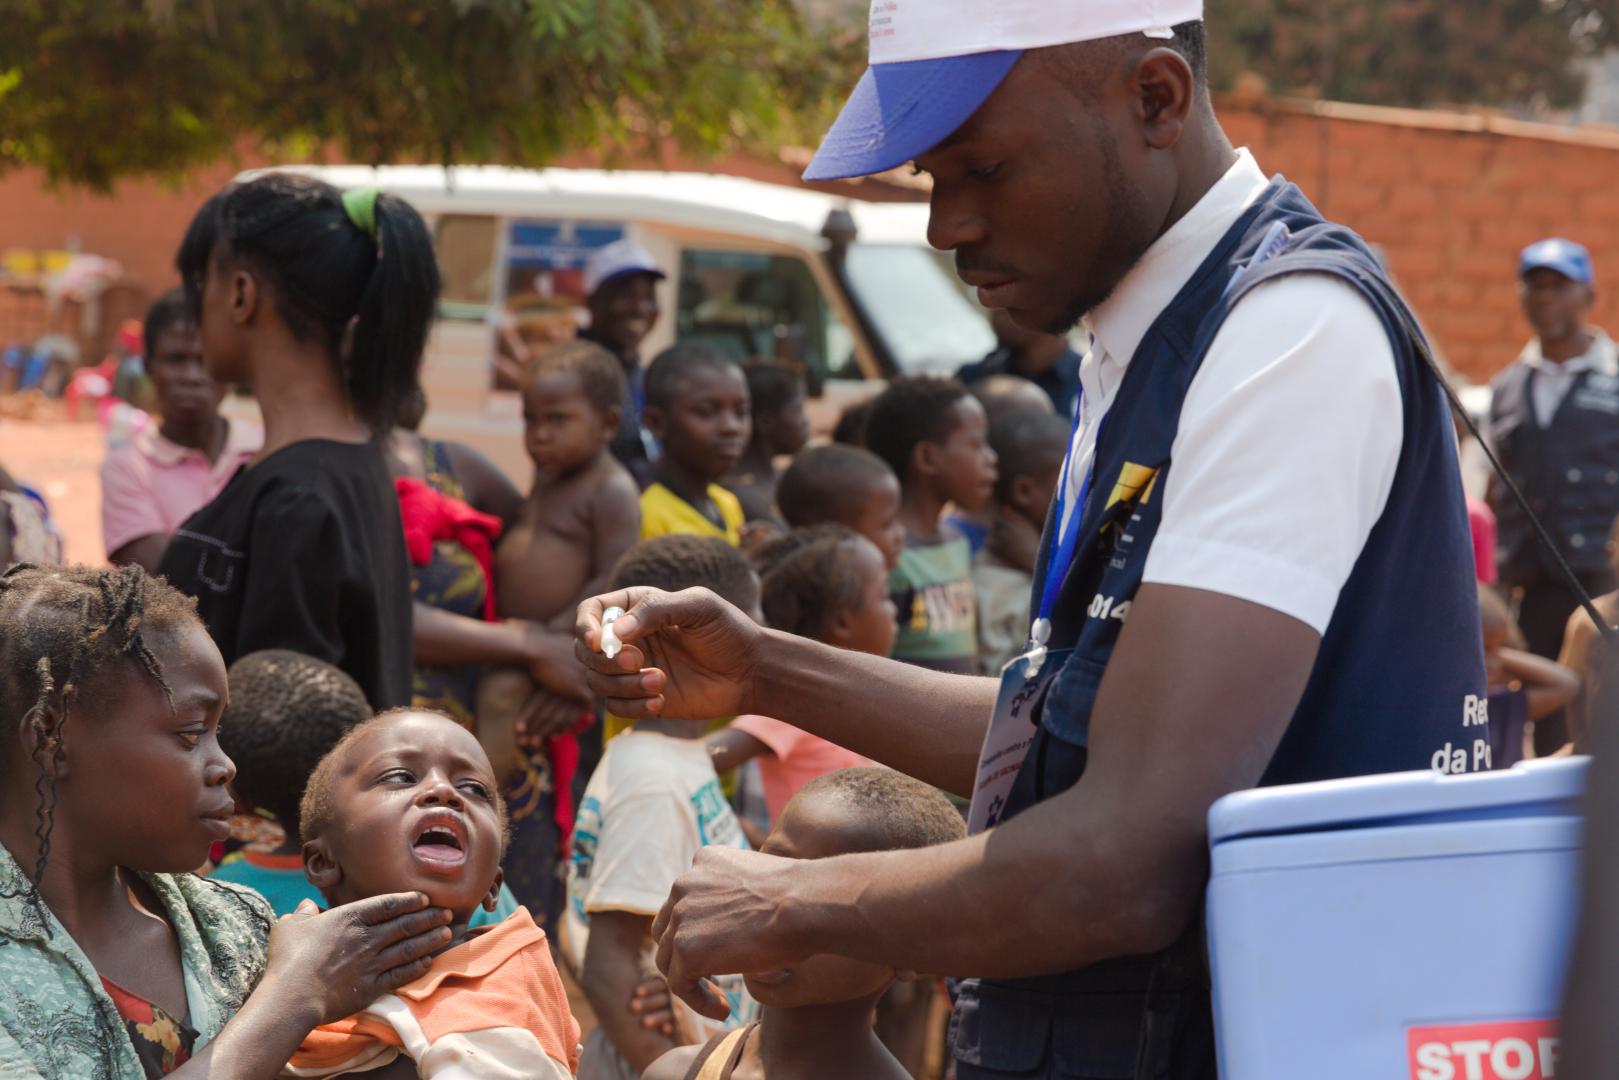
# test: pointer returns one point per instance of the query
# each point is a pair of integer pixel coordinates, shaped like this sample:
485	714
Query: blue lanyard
1067	545
1273	243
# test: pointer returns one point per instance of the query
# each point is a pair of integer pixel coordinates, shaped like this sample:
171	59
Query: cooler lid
1545	787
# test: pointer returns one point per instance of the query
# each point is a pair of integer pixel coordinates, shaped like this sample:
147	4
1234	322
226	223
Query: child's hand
655	1005
551	663
337	962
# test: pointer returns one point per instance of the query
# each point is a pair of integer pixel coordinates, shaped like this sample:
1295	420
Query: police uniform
1257	419
1555	427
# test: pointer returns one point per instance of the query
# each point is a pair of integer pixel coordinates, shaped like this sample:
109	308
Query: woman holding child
118	962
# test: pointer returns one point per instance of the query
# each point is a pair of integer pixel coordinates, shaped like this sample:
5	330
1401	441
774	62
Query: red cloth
430	515
563	750
1481	521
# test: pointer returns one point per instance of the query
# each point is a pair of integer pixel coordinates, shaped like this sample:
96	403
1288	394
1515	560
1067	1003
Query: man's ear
653	419
492	901
1165	88
242	293
320	866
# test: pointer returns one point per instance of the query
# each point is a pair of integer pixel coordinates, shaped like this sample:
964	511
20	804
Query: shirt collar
1602	356
240	439
1120	322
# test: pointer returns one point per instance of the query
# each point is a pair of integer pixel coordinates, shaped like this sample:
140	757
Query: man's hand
723	917
686	655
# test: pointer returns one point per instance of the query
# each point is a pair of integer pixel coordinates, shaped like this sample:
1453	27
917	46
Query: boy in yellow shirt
697	408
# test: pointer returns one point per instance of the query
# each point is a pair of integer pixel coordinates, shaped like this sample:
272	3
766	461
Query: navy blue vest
1569	470
1395	686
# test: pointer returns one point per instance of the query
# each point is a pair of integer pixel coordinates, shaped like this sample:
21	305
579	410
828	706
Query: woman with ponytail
319	300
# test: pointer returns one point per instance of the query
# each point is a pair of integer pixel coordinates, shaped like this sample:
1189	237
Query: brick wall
1450	197
140	224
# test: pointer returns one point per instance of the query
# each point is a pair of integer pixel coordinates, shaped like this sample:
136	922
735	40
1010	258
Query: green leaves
97	89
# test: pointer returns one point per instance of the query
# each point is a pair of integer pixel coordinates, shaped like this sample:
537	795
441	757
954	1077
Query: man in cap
622	298
1554	420
1257	568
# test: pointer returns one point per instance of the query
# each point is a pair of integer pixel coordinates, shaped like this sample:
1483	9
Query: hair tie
360	204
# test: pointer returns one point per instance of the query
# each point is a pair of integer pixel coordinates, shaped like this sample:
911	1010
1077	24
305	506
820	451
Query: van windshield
918	306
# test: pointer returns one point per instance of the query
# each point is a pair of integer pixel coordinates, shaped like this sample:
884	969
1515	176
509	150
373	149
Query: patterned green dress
57	1019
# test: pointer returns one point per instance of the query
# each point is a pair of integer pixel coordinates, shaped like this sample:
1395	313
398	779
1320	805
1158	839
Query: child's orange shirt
491	1006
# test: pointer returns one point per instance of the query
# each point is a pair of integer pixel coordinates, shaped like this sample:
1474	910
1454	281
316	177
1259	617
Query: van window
918	306
751	303
466	264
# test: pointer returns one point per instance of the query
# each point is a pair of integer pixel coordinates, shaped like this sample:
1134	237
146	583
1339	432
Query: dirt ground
61	459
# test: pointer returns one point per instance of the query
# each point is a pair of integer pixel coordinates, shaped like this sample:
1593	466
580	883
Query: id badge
1011	732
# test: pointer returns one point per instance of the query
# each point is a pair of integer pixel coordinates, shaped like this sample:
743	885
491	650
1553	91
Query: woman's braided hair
64	630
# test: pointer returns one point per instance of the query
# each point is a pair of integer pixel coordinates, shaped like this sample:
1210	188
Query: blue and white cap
934	62
619	259
1564	256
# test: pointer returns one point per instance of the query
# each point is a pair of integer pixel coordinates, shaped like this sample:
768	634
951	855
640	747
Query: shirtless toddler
581	515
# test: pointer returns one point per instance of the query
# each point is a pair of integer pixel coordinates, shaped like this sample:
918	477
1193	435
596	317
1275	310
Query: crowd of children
492	835
294	772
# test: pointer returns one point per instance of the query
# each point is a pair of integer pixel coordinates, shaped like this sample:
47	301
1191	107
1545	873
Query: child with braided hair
118	962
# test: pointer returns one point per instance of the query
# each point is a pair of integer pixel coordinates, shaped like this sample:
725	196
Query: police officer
1554	419
1256	570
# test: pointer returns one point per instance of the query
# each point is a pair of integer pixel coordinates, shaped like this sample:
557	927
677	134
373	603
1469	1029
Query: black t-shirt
304	551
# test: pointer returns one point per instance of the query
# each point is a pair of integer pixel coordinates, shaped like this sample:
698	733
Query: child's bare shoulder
613	483
674	1065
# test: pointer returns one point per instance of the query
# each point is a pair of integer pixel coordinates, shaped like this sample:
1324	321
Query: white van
848	287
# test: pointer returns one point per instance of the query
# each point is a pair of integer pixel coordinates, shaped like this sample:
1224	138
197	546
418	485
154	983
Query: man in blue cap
1554	419
1256	570
621	295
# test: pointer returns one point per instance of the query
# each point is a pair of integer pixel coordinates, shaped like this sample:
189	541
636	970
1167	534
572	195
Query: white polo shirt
1553	379
1290	431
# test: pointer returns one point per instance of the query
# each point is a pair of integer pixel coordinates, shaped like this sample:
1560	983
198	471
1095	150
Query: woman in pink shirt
169	471
830	584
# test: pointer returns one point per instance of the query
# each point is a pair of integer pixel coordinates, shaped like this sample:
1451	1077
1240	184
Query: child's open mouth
441	844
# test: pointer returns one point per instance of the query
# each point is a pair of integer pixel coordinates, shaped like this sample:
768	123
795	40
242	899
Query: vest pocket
1083	1036
1066	713
994	1033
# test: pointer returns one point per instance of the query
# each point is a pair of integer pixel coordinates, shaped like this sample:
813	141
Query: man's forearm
925	723
1034	896
1195	699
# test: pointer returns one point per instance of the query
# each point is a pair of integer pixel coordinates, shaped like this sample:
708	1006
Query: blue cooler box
1407	925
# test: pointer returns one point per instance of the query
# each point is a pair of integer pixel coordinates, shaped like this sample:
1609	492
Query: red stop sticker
1505	1050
